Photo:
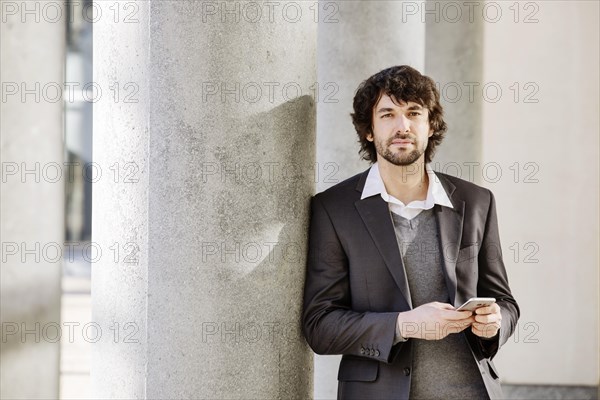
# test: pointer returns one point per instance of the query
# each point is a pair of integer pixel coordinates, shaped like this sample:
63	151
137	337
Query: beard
401	157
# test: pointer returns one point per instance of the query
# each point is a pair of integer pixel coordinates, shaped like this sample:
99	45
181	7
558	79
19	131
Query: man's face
400	131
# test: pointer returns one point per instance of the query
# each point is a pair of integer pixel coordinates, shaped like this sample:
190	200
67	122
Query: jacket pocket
358	369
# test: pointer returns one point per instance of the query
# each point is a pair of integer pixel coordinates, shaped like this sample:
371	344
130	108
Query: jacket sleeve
329	324
493	282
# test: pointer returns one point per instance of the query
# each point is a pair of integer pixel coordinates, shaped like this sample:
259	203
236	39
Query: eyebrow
387	109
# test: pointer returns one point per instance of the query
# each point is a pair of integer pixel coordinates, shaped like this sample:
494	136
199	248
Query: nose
402	123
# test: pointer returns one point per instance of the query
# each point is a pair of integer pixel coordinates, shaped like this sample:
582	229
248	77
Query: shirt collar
436	194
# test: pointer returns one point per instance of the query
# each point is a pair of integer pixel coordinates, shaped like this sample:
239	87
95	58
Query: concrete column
356	40
31	198
209	205
454	59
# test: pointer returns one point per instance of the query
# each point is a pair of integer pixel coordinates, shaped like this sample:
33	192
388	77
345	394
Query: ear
370	136
430	132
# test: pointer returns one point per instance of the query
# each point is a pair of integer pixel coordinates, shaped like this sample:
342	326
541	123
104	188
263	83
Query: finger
482	325
462	323
465	321
486	318
456	315
485	330
462	314
437	305
443	306
491	309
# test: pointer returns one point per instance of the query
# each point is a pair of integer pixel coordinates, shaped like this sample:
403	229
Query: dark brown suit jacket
356	284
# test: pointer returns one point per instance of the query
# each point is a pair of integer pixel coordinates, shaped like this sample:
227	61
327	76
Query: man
394	250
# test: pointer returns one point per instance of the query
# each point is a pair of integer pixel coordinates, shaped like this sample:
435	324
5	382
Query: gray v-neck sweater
442	369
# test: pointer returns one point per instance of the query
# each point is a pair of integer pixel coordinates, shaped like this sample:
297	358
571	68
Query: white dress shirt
435	194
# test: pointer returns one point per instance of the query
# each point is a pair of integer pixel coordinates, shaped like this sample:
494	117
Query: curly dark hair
405	84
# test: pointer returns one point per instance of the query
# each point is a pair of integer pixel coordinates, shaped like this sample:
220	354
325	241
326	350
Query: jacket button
406	371
362	350
376	353
372	352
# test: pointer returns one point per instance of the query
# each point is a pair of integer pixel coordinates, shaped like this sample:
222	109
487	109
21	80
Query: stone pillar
202	215
454	59
31	198
356	40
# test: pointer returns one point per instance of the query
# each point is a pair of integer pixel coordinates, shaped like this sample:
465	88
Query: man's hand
487	321
433	321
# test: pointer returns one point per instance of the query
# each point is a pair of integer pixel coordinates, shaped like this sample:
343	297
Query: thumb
445	306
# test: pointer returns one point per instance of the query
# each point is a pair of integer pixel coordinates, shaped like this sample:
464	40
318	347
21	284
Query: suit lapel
450	226
375	214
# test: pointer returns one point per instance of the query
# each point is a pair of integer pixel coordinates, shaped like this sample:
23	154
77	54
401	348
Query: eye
414	113
386	115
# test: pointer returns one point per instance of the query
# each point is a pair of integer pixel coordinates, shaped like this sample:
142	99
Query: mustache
402	136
